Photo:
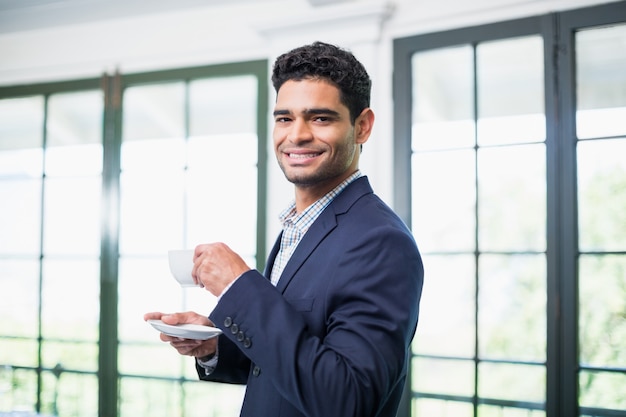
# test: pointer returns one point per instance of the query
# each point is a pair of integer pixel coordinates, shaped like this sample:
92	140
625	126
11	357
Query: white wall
256	30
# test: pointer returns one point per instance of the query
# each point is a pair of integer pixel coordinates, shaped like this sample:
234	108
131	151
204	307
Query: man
326	330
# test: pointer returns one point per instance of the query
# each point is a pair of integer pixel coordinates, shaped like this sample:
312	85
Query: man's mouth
302	155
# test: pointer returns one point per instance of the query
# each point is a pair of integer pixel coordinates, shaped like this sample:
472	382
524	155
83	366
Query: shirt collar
289	213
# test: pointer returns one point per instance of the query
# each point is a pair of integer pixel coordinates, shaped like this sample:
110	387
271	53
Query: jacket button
241	336
247	342
256	371
234	328
228	321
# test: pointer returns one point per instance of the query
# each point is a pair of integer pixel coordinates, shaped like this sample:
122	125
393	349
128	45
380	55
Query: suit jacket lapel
324	224
272	257
316	233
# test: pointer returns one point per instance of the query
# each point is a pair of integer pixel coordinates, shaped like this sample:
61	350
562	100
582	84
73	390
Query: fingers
191	347
216	266
152	316
185	346
173	319
188	317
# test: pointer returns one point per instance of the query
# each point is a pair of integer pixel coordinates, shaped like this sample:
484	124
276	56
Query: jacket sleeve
232	365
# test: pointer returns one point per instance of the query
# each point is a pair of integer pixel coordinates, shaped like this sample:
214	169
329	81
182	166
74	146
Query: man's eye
282	119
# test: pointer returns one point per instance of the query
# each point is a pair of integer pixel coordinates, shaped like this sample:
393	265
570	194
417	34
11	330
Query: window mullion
108	372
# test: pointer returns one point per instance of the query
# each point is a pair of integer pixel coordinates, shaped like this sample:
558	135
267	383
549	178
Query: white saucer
186	331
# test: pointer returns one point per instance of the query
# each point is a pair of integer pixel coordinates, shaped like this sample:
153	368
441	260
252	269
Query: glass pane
444	188
19	298
512	307
512	382
602	195
75	119
446	325
443	376
69	287
23	390
153	161
21	163
21	137
512	198
223	119
72	216
5	384
151	217
140	359
74	160
226	399
601	82
140	397
20	217
153	155
443	99
74	395
602	307
495	411
424	407
19	352
70	356
154	112
220	106
21	123
602	390
510	91
223	192
74	129
48	389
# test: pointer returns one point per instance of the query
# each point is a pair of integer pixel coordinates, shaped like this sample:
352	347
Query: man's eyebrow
322	110
309	112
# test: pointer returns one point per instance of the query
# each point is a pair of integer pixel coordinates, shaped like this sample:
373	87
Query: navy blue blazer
332	339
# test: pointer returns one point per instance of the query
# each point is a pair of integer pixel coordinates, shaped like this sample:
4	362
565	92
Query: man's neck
307	195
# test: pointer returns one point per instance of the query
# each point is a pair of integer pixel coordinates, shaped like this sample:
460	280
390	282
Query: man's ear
363	125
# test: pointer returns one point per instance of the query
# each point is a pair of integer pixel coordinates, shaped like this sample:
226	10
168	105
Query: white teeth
302	156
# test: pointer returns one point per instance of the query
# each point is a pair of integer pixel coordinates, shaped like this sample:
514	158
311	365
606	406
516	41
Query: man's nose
300	131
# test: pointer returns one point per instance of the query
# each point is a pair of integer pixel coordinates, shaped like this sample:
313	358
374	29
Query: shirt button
228	321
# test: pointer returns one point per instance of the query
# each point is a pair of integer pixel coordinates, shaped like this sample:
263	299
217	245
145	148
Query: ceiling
22	15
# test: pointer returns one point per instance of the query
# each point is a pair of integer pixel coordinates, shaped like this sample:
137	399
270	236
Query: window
98	179
601	191
509	147
50	182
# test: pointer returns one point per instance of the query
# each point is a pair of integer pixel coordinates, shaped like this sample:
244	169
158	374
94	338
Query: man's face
314	140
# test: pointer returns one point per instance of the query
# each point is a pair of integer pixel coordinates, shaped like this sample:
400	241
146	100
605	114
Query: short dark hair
331	63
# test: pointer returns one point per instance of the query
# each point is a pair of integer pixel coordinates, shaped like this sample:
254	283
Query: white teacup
181	265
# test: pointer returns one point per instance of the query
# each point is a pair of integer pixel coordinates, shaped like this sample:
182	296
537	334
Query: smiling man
326	330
